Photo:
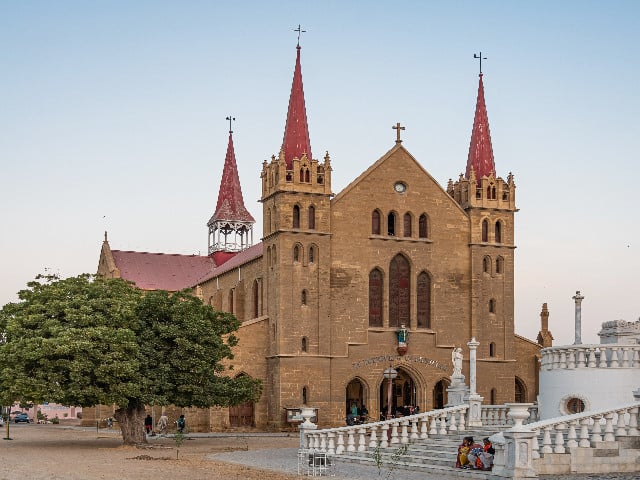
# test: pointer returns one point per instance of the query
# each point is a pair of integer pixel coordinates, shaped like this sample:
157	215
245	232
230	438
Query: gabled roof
230	201
480	150
296	131
379	162
161	271
238	260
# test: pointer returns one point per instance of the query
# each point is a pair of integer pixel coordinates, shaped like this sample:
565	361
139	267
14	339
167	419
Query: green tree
87	341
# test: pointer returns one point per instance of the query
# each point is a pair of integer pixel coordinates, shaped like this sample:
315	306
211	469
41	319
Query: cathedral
393	273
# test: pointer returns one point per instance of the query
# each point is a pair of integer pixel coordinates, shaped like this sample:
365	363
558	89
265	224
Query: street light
390	374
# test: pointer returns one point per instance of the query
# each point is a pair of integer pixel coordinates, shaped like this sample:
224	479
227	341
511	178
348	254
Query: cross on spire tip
230	119
300	31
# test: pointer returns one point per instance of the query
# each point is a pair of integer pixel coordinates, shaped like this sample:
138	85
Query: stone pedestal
457	391
474	417
518	460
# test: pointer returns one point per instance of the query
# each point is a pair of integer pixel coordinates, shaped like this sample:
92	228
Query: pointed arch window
499	265
312	254
424	300
303	297
407	224
485	230
256	299
375	298
375	222
305	396
498	232
301	175
268	222
296	253
520	391
304	344
306	175
312	217
422	226
391	224
486	264
296	216
399	291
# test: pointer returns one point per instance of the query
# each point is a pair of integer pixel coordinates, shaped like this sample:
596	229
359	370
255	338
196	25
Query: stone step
447	470
434	455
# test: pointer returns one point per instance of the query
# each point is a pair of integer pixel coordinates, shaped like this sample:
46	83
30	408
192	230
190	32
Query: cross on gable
397	128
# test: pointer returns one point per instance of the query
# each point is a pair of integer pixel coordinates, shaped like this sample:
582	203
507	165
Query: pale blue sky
112	116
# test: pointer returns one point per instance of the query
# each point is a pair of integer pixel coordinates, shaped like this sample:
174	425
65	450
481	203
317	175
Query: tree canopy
87	341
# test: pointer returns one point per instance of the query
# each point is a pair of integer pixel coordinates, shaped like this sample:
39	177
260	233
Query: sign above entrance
401	359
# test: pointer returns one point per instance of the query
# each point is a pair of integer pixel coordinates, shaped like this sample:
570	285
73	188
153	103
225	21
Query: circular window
400	187
575	405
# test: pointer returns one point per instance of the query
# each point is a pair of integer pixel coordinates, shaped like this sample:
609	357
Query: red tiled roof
480	149
230	201
240	259
161	271
296	131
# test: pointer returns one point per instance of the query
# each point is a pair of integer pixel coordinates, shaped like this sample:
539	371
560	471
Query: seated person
482	459
463	450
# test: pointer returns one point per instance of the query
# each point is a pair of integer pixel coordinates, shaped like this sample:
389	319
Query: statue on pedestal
456	359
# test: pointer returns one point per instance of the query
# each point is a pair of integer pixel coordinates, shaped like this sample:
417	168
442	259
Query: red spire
296	131
230	202
480	150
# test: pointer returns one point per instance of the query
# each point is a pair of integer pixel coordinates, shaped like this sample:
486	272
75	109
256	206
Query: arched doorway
242	415
440	398
403	394
520	391
354	395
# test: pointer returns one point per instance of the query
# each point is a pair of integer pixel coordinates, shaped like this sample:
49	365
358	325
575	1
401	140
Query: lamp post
390	374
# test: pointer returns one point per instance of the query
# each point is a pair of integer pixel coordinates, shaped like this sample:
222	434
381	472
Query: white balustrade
582	429
590	356
402	430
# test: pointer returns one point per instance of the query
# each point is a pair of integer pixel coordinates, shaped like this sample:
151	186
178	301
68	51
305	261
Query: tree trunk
131	421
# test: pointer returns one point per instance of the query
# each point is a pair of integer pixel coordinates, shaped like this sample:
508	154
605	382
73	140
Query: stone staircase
435	455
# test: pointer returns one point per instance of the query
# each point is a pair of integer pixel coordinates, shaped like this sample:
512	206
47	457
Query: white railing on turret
402	430
590	356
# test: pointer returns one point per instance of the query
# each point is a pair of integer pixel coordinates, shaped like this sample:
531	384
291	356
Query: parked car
21	418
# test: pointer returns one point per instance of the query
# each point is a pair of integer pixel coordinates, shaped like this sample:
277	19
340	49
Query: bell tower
489	201
296	195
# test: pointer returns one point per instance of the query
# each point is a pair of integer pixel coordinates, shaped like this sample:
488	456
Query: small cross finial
231	119
397	128
300	31
479	57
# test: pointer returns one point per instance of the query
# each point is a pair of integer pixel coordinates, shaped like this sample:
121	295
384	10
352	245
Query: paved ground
58	452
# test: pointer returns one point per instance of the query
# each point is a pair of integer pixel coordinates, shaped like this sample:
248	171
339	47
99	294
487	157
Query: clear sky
112	117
